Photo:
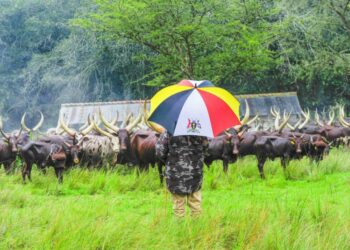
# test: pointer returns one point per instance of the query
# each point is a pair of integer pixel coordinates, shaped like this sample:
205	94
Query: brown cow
144	152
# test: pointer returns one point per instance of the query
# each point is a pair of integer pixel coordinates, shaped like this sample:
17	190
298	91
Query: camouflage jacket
183	157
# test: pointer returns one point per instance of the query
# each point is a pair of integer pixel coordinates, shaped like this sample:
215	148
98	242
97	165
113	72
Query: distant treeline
52	52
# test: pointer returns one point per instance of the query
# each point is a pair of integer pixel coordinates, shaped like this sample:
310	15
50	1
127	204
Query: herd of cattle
103	143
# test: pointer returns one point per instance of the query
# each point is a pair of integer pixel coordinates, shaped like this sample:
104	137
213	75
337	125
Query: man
183	157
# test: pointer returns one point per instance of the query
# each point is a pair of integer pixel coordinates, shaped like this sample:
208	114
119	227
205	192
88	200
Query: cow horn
86	124
130	120
69	131
145	116
305	113
341	117
59	127
115	129
156	127
126	121
284	123
307	118
88	129
331	117
290	127
23	124
134	123
340	112
115	120
317	117
296	125
241	133
247	113
343	111
99	130
152	125
273	112
19	132
97	121
344	123
277	121
2	132
61	132
253	120
36	127
111	131
40	123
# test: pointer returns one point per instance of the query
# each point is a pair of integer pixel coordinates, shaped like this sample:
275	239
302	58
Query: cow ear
292	141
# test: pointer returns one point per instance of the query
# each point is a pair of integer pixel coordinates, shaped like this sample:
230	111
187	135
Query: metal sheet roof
262	103
77	113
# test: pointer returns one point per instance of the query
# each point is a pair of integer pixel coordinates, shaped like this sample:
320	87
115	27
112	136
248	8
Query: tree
194	39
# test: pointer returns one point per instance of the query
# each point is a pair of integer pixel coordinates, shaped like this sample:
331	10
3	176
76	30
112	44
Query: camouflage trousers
193	201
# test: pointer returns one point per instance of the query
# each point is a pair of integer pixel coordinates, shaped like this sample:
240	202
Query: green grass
308	207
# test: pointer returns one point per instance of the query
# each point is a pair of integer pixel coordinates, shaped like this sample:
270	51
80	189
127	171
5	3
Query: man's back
183	156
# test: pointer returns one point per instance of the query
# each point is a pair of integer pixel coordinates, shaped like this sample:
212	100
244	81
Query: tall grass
306	207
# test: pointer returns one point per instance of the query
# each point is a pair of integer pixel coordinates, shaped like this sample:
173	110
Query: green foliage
305	208
313	45
190	39
98	50
26	29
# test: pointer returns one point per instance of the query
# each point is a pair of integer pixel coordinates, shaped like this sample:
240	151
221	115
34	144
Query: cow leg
9	167
318	159
225	165
261	163
42	167
143	167
161	174
284	163
26	171
139	169
29	172
59	174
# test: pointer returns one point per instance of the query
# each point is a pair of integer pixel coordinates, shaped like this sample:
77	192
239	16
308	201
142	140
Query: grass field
308	207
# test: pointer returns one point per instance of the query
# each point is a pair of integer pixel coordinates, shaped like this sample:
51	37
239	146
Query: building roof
77	113
262	103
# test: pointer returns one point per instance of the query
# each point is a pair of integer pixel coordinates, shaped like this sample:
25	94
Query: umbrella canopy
194	108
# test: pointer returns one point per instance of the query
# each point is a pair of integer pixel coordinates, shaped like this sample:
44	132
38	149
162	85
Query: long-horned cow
124	134
96	150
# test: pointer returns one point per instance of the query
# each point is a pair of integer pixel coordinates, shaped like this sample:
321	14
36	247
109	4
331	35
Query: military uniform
183	157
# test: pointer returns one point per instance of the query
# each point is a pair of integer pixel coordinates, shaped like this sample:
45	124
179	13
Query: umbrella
194	108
